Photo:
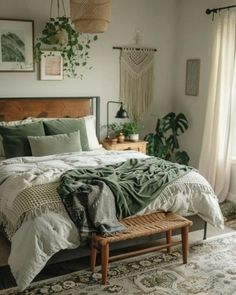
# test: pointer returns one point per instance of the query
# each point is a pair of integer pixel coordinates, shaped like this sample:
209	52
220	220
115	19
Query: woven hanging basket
90	16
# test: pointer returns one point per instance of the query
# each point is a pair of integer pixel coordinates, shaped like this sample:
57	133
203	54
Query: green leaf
182	157
164	142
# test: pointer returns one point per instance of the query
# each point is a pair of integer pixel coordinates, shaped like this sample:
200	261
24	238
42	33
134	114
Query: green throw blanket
134	183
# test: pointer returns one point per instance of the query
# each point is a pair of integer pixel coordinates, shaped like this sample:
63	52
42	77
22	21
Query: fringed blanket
30	203
89	194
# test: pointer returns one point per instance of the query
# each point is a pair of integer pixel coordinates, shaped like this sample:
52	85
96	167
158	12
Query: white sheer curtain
215	158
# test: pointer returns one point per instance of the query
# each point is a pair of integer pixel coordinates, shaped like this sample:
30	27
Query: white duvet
38	239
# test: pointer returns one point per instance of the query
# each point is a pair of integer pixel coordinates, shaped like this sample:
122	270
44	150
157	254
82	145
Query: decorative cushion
90	137
12	123
55	144
16	146
86	126
21	132
60	126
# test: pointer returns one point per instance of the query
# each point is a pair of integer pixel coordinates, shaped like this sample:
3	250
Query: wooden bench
141	226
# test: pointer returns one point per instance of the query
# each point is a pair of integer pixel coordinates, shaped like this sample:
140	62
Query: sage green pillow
16	146
60	126
86	126
55	144
23	130
14	138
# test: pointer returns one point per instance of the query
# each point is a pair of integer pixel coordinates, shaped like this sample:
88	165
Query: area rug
211	269
228	209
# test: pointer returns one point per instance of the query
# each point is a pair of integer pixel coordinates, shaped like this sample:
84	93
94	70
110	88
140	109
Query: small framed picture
16	45
51	65
192	77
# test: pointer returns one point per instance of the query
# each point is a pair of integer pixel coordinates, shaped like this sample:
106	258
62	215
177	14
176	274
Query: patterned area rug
211	270
228	209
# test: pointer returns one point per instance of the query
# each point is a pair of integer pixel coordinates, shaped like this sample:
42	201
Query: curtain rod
136	48
215	10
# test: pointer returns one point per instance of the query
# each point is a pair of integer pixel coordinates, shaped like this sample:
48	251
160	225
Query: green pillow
55	144
19	146
23	130
16	146
60	126
86	126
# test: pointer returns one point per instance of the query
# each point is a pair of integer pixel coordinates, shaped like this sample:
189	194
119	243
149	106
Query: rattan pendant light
90	16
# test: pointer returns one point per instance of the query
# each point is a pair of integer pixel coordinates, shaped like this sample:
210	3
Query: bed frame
12	109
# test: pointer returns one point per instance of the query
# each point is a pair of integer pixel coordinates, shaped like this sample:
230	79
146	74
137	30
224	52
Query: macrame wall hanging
136	79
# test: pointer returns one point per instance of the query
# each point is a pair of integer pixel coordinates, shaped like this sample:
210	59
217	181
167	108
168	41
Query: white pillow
55	144
90	133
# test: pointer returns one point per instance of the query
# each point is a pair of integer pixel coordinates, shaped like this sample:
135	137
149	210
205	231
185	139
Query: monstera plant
164	142
59	35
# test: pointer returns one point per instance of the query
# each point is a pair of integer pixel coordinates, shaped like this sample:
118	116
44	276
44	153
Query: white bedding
40	238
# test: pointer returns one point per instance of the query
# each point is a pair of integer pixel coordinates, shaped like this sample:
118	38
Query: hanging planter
59	35
90	16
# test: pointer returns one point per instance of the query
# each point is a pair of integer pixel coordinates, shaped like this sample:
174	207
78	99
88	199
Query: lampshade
121	114
90	16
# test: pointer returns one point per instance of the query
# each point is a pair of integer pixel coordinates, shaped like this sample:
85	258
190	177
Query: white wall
156	20
194	41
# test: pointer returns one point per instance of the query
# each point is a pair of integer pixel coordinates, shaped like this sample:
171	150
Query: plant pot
121	138
134	137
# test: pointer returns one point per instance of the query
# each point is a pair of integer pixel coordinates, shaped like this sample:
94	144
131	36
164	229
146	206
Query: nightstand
139	146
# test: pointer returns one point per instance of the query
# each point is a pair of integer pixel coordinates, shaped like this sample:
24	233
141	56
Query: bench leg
168	240
105	260
93	254
184	235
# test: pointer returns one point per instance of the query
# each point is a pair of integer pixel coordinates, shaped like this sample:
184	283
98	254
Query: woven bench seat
137	227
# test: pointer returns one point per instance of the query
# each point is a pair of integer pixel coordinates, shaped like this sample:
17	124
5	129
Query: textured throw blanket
89	194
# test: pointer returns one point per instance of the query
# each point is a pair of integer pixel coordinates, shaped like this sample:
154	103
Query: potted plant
115	129
131	130
164	143
59	35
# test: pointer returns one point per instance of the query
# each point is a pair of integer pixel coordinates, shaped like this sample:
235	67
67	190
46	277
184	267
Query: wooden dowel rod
136	48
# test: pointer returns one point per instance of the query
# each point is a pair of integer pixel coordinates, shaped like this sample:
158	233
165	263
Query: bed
47	234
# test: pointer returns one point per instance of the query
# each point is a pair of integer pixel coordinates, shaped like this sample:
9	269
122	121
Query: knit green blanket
134	183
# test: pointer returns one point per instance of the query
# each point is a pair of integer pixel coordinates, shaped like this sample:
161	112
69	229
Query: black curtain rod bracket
136	48
215	10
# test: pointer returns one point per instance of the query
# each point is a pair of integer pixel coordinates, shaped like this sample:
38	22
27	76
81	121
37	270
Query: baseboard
231	197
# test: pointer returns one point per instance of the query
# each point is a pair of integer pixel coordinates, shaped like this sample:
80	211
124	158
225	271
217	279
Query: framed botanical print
16	45
192	77
51	65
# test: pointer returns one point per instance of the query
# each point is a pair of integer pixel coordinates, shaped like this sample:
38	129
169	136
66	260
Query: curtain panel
215	157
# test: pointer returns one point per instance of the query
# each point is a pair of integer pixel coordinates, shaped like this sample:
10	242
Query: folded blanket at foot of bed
94	197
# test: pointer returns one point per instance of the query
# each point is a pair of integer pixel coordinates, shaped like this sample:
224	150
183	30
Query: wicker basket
90	16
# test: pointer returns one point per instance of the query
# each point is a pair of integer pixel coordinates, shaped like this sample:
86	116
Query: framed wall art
51	65
16	45
192	77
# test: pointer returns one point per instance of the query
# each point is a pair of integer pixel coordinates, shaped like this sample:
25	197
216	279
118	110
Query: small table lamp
121	114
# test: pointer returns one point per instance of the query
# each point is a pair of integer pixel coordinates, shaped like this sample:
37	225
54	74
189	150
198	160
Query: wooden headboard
12	109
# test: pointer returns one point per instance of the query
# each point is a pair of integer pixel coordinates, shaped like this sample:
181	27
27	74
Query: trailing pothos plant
59	35
164	142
